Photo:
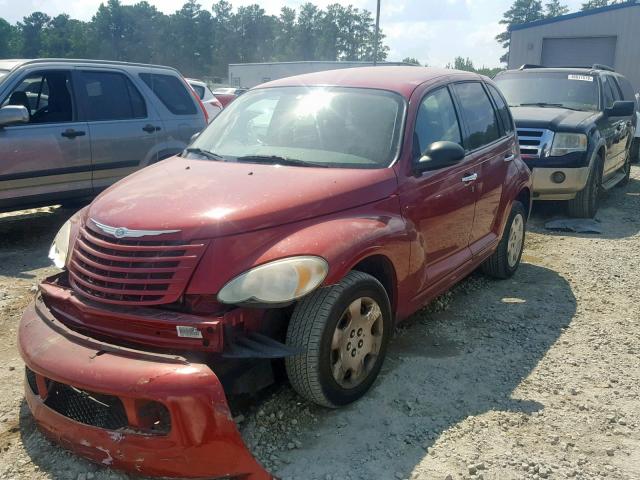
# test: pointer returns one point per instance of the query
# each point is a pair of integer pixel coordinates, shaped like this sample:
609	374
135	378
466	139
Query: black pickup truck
575	128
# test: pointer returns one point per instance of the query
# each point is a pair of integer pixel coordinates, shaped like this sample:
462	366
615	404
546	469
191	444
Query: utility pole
377	36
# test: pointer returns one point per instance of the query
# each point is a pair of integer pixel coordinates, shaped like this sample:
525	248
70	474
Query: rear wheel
344	330
505	260
585	204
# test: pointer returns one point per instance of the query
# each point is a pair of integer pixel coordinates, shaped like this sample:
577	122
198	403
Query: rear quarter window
627	89
171	92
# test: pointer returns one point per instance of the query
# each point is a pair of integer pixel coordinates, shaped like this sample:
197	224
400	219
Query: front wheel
344	330
586	202
504	262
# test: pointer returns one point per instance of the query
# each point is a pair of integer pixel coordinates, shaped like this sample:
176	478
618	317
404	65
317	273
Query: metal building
247	75
608	35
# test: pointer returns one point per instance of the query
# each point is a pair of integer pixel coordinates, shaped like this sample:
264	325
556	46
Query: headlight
564	143
60	246
280	281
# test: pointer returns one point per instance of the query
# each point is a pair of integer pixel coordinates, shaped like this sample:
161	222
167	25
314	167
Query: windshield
322	126
574	91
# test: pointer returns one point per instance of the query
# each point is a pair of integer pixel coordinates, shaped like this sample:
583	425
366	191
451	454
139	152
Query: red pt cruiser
308	219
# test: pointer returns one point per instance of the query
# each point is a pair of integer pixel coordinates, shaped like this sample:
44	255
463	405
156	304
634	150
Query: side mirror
193	137
12	114
621	109
440	155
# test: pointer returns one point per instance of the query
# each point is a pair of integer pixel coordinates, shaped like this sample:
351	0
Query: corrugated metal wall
623	23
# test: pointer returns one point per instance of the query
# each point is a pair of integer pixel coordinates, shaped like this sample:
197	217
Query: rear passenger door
489	149
617	128
123	128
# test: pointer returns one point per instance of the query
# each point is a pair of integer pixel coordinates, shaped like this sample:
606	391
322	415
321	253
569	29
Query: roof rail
599	66
530	65
93	61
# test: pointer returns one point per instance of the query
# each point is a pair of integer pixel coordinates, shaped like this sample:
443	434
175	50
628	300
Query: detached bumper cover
203	441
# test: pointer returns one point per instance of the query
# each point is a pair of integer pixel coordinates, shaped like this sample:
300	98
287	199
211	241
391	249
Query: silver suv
71	128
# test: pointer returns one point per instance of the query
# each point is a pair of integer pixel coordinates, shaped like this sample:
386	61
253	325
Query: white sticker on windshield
582	78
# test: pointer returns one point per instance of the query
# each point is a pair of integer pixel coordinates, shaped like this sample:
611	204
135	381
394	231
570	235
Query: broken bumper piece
142	412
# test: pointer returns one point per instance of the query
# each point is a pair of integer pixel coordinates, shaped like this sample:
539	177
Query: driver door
48	158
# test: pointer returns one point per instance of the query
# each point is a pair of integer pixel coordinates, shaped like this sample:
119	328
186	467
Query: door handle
470	178
71	133
509	157
150	128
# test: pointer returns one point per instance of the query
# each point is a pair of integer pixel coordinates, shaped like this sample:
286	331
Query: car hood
208	199
556	119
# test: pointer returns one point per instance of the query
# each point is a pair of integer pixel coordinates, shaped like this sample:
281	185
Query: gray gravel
537	377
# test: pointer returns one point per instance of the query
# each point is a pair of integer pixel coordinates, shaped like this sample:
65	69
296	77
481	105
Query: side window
436	121
503	110
111	96
478	113
610	91
626	88
171	92
46	95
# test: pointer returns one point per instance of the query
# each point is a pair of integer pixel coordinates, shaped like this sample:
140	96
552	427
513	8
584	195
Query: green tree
411	61
554	8
522	11
32	29
8	39
596	4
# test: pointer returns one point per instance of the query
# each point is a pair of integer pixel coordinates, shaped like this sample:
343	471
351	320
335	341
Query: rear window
111	96
171	92
478	113
199	90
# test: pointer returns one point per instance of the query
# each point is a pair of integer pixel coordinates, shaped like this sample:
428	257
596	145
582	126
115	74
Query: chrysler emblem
123	232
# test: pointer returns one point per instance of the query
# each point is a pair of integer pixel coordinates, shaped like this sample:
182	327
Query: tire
504	262
586	202
320	326
635	150
626	169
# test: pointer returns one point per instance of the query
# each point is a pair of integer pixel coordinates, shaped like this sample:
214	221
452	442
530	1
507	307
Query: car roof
578	70
402	80
196	81
10	64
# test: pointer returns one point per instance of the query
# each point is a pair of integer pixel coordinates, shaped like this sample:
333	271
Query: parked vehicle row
309	219
208	99
576	128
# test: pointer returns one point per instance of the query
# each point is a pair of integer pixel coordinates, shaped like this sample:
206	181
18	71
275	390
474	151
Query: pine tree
554	8
522	11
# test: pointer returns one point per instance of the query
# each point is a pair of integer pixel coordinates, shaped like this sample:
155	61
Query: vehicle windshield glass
569	90
199	89
327	126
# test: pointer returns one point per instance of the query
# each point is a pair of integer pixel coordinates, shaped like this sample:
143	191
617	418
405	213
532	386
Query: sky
433	31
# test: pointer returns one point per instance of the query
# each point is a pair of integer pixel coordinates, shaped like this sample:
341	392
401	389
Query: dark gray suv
70	128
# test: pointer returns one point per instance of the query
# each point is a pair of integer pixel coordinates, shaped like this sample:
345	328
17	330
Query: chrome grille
534	142
126	271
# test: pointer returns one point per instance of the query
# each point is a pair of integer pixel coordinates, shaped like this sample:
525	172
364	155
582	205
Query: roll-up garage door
578	51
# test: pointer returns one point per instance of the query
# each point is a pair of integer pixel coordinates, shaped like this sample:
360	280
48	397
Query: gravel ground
533	377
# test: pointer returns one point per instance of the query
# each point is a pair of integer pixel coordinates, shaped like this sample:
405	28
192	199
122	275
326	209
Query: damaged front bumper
138	411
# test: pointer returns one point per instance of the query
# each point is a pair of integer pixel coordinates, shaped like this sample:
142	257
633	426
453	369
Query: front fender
343	239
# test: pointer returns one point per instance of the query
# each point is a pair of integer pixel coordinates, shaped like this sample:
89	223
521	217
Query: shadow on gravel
442	369
614	214
25	238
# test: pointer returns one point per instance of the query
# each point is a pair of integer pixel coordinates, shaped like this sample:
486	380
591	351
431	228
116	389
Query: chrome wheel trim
356	342
516	240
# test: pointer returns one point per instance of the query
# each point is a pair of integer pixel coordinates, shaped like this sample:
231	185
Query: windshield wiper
204	153
278	160
545	105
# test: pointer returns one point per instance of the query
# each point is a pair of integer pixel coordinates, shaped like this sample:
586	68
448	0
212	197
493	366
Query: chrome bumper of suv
546	184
